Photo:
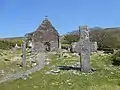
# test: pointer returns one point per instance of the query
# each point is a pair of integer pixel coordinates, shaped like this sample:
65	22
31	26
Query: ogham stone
41	59
76	47
93	46
85	49
24	54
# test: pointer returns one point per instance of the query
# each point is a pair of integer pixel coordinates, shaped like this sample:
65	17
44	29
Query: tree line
9	44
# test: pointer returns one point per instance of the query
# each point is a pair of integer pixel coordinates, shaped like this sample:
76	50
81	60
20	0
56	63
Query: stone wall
45	37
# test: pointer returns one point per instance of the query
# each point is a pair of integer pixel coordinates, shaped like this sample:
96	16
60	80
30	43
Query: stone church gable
45	38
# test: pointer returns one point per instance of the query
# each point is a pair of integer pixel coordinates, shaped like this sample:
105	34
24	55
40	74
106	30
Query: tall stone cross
84	49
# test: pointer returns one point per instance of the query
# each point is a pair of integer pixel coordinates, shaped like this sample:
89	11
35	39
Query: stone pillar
41	59
41	55
59	44
95	46
60	49
85	49
24	54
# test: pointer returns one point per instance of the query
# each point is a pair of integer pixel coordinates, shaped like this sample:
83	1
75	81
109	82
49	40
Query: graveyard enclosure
45	38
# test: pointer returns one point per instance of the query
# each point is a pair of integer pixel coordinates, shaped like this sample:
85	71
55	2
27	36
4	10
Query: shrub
116	58
8	44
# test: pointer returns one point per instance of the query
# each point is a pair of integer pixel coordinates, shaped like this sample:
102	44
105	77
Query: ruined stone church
45	38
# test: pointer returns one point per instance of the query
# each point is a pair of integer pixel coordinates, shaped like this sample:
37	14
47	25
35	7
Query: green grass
10	67
106	77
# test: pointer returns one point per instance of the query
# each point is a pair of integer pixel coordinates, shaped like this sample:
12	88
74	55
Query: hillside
12	38
106	38
96	28
8	43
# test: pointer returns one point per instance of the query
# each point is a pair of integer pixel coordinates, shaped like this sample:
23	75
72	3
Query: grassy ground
106	76
9	66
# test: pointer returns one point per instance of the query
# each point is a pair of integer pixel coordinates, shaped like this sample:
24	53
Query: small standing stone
93	46
24	54
41	59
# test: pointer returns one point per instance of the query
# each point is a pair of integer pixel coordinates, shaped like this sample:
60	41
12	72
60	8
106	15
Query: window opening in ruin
47	46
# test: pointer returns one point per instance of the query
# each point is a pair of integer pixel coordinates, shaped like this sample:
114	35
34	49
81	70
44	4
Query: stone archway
47	46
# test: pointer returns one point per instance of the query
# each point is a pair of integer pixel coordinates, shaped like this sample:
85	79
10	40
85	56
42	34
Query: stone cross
76	47
85	49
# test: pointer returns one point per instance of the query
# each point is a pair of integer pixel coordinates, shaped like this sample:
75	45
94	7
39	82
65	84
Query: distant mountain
9	43
95	28
91	29
106	38
12	38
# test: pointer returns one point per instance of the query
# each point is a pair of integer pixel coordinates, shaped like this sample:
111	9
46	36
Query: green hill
106	38
8	43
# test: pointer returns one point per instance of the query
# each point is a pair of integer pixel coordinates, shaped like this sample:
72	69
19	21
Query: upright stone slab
93	46
24	54
76	46
41	57
85	49
59	52
24	50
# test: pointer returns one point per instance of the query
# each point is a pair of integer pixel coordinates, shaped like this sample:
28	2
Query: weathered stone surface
41	59
76	47
45	38
55	71
24	54
85	49
93	46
